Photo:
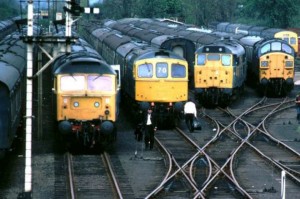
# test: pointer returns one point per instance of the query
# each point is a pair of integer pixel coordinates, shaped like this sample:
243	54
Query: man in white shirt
190	113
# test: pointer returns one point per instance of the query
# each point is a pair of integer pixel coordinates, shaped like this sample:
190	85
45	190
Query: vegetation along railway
239	153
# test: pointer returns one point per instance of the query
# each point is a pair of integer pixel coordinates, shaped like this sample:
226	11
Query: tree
272	13
8	9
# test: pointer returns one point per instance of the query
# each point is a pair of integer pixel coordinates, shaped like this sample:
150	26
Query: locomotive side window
72	83
145	70
178	70
161	70
226	60
99	83
201	59
293	41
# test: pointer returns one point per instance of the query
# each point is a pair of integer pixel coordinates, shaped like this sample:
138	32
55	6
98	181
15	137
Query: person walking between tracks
298	107
190	112
150	126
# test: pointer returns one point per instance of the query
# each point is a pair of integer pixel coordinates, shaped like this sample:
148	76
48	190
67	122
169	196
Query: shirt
149	119
190	107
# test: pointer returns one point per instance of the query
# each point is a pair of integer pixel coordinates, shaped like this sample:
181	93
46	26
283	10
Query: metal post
28	145
68	25
40	98
282	184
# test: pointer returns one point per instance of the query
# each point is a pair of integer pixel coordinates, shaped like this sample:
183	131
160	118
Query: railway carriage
150	77
12	88
7	27
85	96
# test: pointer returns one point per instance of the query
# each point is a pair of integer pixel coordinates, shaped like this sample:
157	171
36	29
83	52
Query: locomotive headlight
76	104
264	64
289	64
96	104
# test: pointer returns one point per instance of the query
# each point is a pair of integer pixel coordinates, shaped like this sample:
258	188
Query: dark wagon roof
8	75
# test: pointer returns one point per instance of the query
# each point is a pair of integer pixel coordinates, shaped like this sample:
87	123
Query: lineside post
282	184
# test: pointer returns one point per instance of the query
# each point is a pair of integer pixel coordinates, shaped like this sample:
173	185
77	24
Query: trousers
149	136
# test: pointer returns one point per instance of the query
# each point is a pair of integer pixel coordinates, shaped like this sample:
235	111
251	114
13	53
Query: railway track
91	176
221	160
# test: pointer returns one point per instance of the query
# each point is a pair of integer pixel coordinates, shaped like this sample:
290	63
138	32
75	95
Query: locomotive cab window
226	60
201	59
99	83
145	70
265	48
161	70
213	57
178	71
287	49
276	46
72	83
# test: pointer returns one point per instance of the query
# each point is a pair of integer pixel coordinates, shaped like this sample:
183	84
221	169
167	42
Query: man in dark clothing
150	127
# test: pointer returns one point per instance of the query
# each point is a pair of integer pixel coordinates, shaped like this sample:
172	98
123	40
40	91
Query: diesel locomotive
150	77
86	98
219	64
270	65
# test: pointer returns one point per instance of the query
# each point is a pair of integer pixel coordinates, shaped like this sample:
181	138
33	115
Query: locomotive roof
223	46
9	75
84	65
151	53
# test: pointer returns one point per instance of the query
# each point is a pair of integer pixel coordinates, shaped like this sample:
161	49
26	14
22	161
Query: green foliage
272	13
8	9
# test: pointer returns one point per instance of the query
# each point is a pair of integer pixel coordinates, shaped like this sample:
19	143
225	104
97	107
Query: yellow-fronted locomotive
150	77
220	72
85	96
270	65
